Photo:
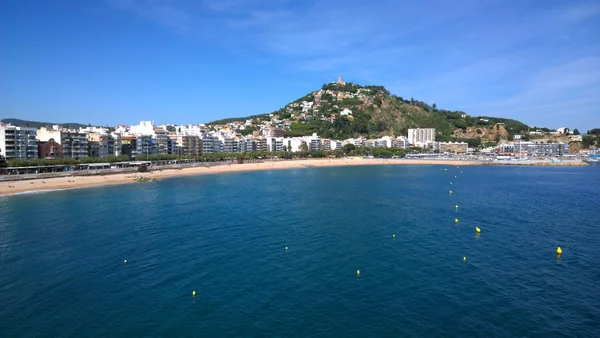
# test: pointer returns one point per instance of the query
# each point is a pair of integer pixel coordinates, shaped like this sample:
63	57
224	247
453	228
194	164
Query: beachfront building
451	147
172	145
329	145
335	145
146	145
49	149
114	144
229	145
98	144
419	136
128	145
313	142
536	149
162	138
261	144
275	143
188	145
210	144
400	142
246	145
18	142
74	144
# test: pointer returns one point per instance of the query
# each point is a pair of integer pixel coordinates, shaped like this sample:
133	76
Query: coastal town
146	139
338	109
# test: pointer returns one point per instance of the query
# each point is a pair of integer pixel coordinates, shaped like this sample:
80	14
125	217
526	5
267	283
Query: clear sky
193	61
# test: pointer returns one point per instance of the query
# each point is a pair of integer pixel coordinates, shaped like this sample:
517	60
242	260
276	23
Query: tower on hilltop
340	82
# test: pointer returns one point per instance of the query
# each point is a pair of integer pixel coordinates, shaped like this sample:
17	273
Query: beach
59	183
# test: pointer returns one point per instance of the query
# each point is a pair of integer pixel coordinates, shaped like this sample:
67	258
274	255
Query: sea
372	251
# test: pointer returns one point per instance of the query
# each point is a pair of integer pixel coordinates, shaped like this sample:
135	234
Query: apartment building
74	144
421	135
188	145
18	142
146	145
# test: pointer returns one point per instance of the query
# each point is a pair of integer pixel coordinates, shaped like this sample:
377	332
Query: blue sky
185	61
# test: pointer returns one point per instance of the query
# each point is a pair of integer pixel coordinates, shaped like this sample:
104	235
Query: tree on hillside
576	131
434	107
595	131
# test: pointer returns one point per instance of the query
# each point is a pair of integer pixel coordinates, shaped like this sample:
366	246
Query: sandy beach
17	187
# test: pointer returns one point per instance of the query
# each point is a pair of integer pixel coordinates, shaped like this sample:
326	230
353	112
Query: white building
190	130
18	142
294	143
421	135
144	128
116	143
335	145
400	142
346	112
99	130
275	143
306	106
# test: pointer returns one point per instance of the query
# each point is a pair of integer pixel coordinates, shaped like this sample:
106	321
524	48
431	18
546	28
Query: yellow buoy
193	293
558	251
465	258
358	272
456	207
477	230
450	182
456	220
125	262
450	192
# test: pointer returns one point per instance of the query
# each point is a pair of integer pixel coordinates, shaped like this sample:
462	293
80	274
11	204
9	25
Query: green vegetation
327	97
348	87
234	119
595	131
390	114
351	101
248	130
65	161
348	148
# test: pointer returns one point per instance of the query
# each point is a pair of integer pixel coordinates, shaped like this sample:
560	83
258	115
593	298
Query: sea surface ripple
62	270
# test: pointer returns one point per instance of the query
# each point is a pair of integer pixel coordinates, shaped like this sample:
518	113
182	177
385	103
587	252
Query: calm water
62	272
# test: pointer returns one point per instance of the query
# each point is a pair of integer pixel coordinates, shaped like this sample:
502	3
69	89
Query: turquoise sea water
224	236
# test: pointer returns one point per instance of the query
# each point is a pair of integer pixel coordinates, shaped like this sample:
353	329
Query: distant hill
241	119
376	112
37	124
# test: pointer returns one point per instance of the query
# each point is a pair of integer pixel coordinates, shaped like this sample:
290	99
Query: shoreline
11	188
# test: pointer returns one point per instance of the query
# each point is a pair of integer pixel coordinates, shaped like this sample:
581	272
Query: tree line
348	150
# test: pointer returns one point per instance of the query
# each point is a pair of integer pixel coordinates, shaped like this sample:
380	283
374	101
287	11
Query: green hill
36	124
376	112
